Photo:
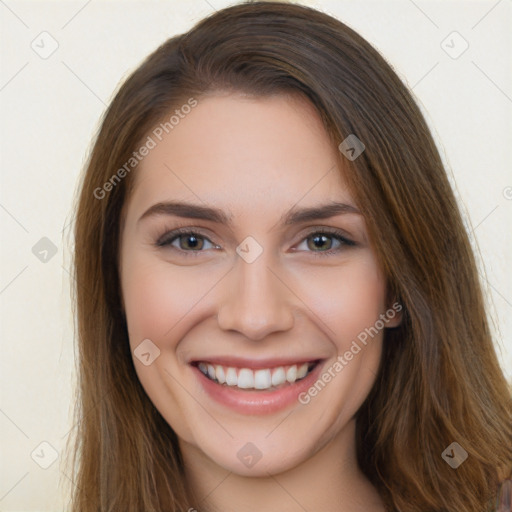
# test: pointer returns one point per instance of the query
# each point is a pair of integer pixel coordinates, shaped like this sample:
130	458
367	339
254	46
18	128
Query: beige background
50	109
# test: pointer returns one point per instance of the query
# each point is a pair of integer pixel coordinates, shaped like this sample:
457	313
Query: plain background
50	110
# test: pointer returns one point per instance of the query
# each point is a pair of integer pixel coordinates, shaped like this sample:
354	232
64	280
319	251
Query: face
270	288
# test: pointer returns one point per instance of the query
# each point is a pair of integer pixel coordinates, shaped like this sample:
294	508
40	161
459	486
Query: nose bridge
255	302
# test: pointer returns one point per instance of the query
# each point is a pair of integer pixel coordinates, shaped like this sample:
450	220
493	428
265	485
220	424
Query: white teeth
219	374
262	379
291	374
245	378
231	377
278	376
302	371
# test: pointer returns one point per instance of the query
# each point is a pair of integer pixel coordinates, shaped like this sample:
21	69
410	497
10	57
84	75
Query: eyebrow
292	216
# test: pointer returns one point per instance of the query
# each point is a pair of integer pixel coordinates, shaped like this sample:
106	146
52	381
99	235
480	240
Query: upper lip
239	362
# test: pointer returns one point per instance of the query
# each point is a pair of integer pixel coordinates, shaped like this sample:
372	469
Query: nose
255	301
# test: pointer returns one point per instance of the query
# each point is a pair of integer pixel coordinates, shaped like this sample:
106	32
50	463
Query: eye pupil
318	240
195	241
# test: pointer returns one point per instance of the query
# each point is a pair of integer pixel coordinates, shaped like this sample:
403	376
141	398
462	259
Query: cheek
347	298
156	296
350	301
146	298
157	299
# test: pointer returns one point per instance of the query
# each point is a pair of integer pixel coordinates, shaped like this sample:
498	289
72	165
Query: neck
330	481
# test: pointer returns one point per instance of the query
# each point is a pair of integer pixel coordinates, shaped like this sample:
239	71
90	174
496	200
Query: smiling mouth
267	379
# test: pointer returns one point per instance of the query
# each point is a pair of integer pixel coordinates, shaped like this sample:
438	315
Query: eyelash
169	237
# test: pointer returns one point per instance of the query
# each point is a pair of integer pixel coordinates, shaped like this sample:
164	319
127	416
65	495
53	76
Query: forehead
237	150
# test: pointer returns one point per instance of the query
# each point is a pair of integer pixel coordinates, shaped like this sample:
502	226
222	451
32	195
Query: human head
399	184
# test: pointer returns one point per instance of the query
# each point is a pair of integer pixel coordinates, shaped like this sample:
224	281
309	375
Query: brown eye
185	241
320	241
190	242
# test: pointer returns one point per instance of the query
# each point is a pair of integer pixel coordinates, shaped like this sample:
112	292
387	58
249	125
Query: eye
321	242
185	241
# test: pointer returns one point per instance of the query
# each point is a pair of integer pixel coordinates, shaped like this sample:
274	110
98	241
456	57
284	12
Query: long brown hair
439	381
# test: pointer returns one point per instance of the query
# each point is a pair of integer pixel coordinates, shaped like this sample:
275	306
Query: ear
394	313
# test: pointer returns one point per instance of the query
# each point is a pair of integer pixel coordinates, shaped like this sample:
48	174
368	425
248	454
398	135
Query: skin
255	158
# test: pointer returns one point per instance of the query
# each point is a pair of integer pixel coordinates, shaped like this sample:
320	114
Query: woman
278	307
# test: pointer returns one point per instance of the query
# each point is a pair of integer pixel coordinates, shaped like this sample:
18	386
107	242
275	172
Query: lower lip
256	401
